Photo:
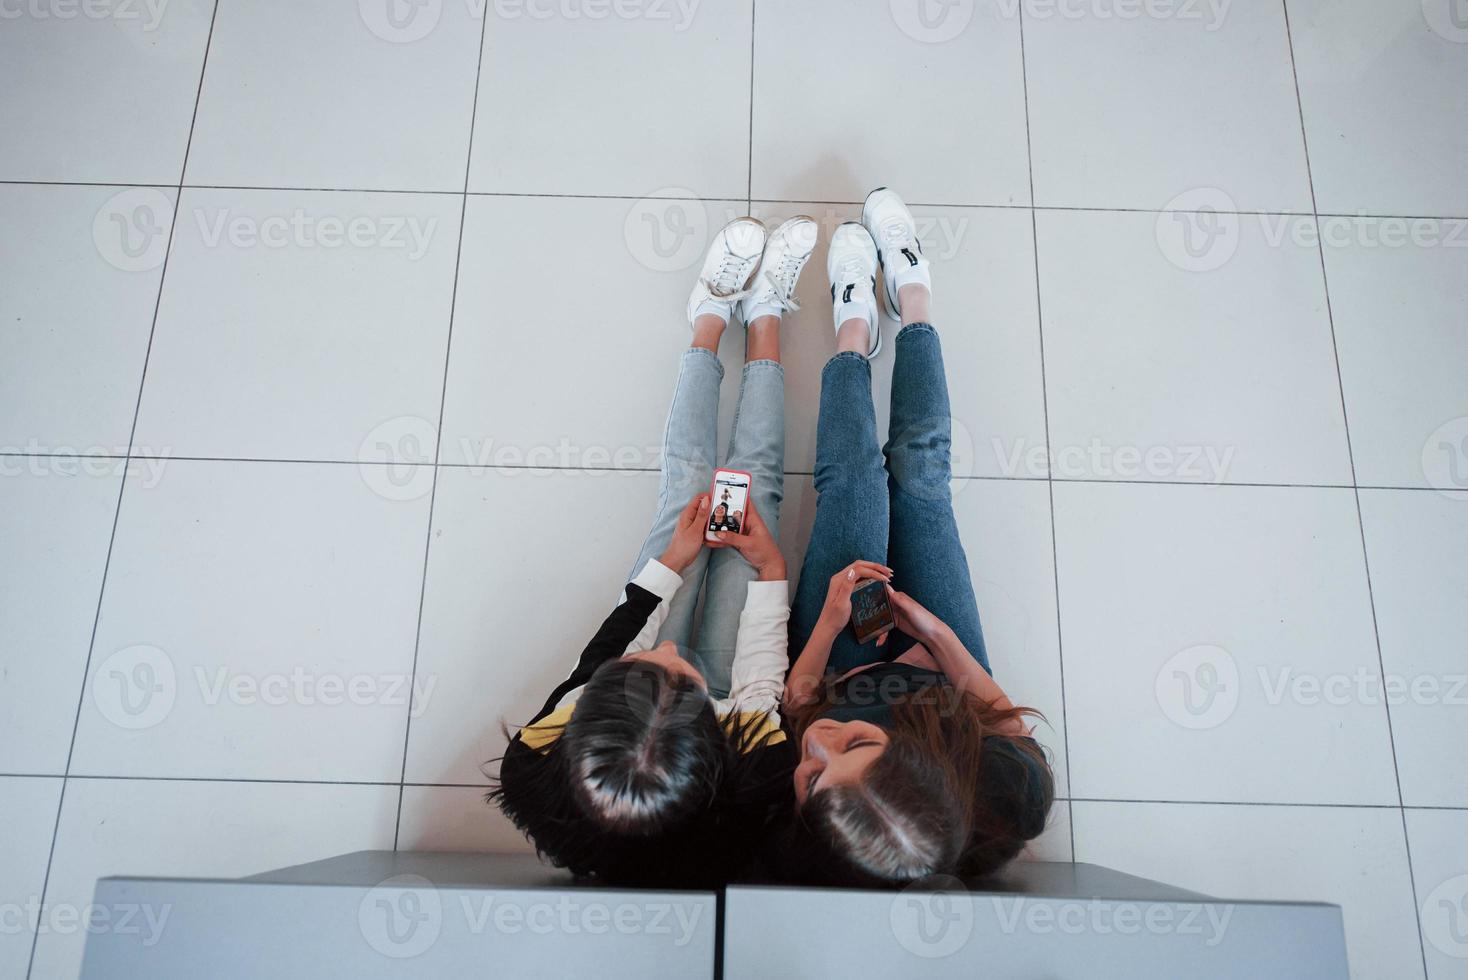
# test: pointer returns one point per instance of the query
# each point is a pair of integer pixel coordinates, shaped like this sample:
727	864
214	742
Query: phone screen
730	501
871	612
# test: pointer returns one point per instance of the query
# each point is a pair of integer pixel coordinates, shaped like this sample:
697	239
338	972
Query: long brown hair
949	795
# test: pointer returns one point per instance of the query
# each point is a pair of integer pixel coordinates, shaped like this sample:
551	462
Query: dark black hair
646	785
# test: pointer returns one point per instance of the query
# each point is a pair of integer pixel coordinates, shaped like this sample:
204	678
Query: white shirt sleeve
662	582
761	651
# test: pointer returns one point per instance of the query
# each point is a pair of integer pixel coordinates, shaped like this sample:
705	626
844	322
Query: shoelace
782	284
725	283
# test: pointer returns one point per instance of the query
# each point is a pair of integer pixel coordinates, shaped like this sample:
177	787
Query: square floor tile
654	101
28	812
1398	310
202	830
456	818
1219	646
258	623
100	92
1129	112
1384	91
502	541
1440	867
302	326
82	266
1355	858
585	380
55	522
1162	370
985	309
1005	527
337	95
849	97
1417	542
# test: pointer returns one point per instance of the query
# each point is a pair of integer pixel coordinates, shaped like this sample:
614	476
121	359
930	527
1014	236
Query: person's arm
954	659
761	650
803	685
643	601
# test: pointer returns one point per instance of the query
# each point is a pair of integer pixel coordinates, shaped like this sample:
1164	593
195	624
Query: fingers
882	640
871	569
696	510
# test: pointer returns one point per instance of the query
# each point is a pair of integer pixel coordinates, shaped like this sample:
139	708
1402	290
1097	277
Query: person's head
936	792
644	748
721	511
645	785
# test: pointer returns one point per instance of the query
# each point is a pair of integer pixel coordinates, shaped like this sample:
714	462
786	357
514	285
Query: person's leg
690	439
690	442
756	446
927	556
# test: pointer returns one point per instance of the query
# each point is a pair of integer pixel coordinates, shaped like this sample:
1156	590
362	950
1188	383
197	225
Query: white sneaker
727	269
852	266
898	249
786	253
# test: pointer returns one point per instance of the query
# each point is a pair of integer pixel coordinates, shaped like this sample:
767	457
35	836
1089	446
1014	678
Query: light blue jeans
690	452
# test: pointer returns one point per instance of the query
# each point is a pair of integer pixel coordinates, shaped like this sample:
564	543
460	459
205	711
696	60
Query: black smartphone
871	611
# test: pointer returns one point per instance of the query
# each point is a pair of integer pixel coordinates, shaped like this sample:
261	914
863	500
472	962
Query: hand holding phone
729	503
871	611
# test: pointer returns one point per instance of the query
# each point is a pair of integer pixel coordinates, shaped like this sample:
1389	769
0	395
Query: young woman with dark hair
913	761
661	759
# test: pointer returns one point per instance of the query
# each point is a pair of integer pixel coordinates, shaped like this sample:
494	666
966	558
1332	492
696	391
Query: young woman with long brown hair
913	761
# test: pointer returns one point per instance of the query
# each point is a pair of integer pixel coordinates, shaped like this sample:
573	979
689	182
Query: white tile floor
317	319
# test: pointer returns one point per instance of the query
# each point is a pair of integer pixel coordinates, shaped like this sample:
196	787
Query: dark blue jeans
890	505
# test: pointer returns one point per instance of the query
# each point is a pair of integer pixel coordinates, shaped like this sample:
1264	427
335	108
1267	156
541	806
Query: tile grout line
438	435
749	159
122	487
1355	480
1049	476
410	191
